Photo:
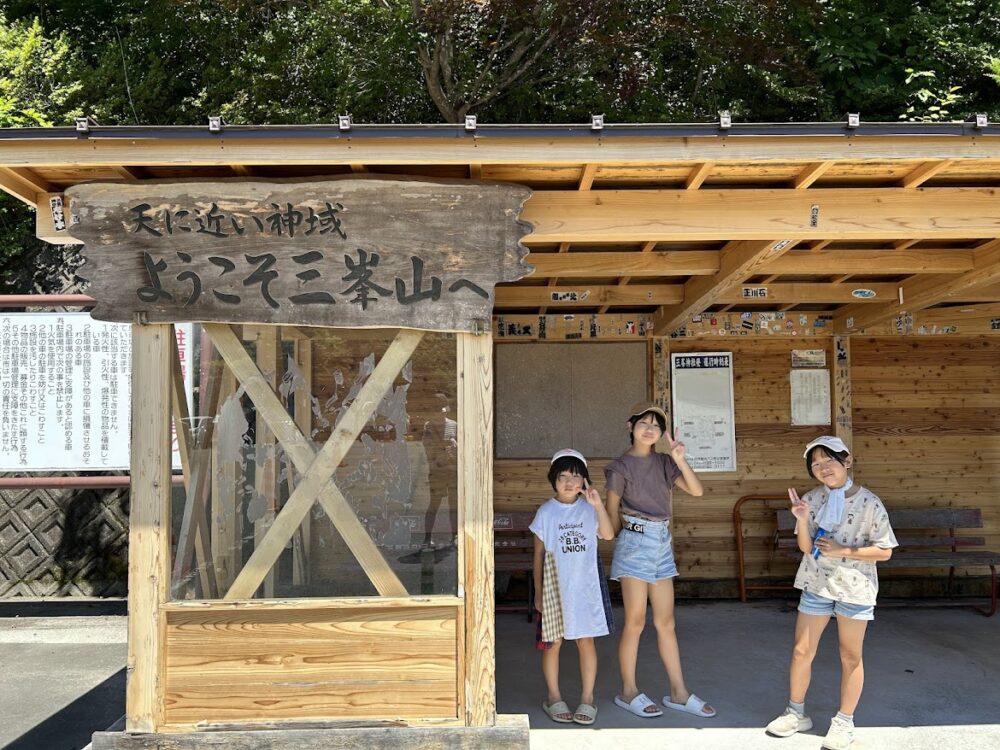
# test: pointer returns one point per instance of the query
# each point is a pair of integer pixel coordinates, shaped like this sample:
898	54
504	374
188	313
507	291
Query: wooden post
149	526
227	517
266	480
303	418
475	493
843	419
661	381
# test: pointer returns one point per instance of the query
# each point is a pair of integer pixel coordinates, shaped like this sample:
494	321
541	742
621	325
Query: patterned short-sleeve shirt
865	523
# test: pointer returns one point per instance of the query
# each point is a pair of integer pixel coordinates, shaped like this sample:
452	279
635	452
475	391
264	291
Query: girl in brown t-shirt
639	491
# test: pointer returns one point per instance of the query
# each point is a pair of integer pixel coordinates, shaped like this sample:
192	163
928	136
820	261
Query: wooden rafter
924	172
358	168
242	170
752	214
737	261
131	174
810	173
903	244
475	171
698	174
587	177
922	292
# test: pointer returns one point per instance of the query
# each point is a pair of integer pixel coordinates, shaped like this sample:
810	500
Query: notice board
704	409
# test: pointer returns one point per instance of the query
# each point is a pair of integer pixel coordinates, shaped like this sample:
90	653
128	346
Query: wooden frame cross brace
316	468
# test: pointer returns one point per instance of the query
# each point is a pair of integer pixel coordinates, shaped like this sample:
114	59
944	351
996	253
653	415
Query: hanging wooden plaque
355	252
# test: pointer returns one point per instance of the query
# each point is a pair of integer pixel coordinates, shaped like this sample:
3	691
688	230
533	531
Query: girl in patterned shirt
842	530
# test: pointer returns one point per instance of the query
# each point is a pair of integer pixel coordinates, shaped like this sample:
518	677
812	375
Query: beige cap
567	452
646	406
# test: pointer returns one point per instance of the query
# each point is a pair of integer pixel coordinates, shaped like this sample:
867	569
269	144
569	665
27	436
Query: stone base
510	732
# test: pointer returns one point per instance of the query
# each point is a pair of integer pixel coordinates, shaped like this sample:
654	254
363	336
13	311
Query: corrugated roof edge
610	130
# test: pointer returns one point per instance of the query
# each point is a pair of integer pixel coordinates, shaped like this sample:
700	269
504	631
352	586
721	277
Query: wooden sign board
356	252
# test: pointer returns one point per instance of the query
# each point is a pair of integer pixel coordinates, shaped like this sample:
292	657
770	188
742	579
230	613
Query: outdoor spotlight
597	122
853	119
470	122
725	119
344	122
982	120
215	124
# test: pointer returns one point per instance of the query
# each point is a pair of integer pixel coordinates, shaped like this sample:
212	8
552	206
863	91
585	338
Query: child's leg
808	630
588	669
634	595
550	670
661	596
852	679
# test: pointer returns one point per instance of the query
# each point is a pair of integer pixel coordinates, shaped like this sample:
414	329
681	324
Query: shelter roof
668	219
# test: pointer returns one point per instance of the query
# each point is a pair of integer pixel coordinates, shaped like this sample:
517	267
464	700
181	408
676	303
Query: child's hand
829	547
800	509
592	496
676	446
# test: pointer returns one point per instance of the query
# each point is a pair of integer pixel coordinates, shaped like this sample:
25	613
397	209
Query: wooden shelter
878	246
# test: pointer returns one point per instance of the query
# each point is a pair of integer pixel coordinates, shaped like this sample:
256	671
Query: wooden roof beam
888	262
920	293
588	295
647	247
809	293
591	265
130	174
242	170
24	184
737	261
475	171
759	214
924	172
810	173
563	248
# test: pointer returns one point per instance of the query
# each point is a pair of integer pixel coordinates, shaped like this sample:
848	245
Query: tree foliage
157	62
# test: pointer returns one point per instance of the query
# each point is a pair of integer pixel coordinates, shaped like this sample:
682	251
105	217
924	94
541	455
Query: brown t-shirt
645	484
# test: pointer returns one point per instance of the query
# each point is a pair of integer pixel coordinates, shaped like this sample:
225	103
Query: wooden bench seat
932	549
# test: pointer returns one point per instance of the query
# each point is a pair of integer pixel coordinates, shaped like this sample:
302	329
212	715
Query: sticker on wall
863	293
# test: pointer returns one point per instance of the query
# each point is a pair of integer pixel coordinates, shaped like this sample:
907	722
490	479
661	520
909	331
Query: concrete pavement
933	679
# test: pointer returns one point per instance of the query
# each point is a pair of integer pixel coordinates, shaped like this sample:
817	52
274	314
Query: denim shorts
814	604
647	555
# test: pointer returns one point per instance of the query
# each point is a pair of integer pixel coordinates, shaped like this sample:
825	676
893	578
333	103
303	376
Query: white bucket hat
830	442
567	452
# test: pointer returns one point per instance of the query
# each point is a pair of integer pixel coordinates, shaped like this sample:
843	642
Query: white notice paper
810	397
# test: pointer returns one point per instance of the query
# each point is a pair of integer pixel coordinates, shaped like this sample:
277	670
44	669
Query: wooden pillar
227	513
266	484
149	525
843	420
303	419
660	348
475	491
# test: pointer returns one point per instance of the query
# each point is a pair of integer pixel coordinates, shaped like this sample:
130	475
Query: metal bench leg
993	595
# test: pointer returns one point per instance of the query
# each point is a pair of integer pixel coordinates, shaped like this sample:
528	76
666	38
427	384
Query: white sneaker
788	724
840	736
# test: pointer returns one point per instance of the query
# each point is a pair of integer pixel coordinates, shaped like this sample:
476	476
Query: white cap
829	442
566	452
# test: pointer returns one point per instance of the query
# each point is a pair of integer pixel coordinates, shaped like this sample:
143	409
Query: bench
514	552
927	539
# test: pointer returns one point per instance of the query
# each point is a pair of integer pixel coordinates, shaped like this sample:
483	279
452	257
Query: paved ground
933	679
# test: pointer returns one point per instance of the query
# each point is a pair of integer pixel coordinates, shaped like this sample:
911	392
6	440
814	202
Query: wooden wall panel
273	665
926	432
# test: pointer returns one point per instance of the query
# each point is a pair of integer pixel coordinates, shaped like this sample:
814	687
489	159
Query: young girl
640	487
842	530
570	590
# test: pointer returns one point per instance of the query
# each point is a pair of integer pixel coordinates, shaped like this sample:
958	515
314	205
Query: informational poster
704	412
65	392
810	397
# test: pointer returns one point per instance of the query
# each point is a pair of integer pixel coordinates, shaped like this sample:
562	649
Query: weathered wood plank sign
355	252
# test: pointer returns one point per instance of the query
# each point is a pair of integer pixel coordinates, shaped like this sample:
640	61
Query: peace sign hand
800	509
592	496
677	450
